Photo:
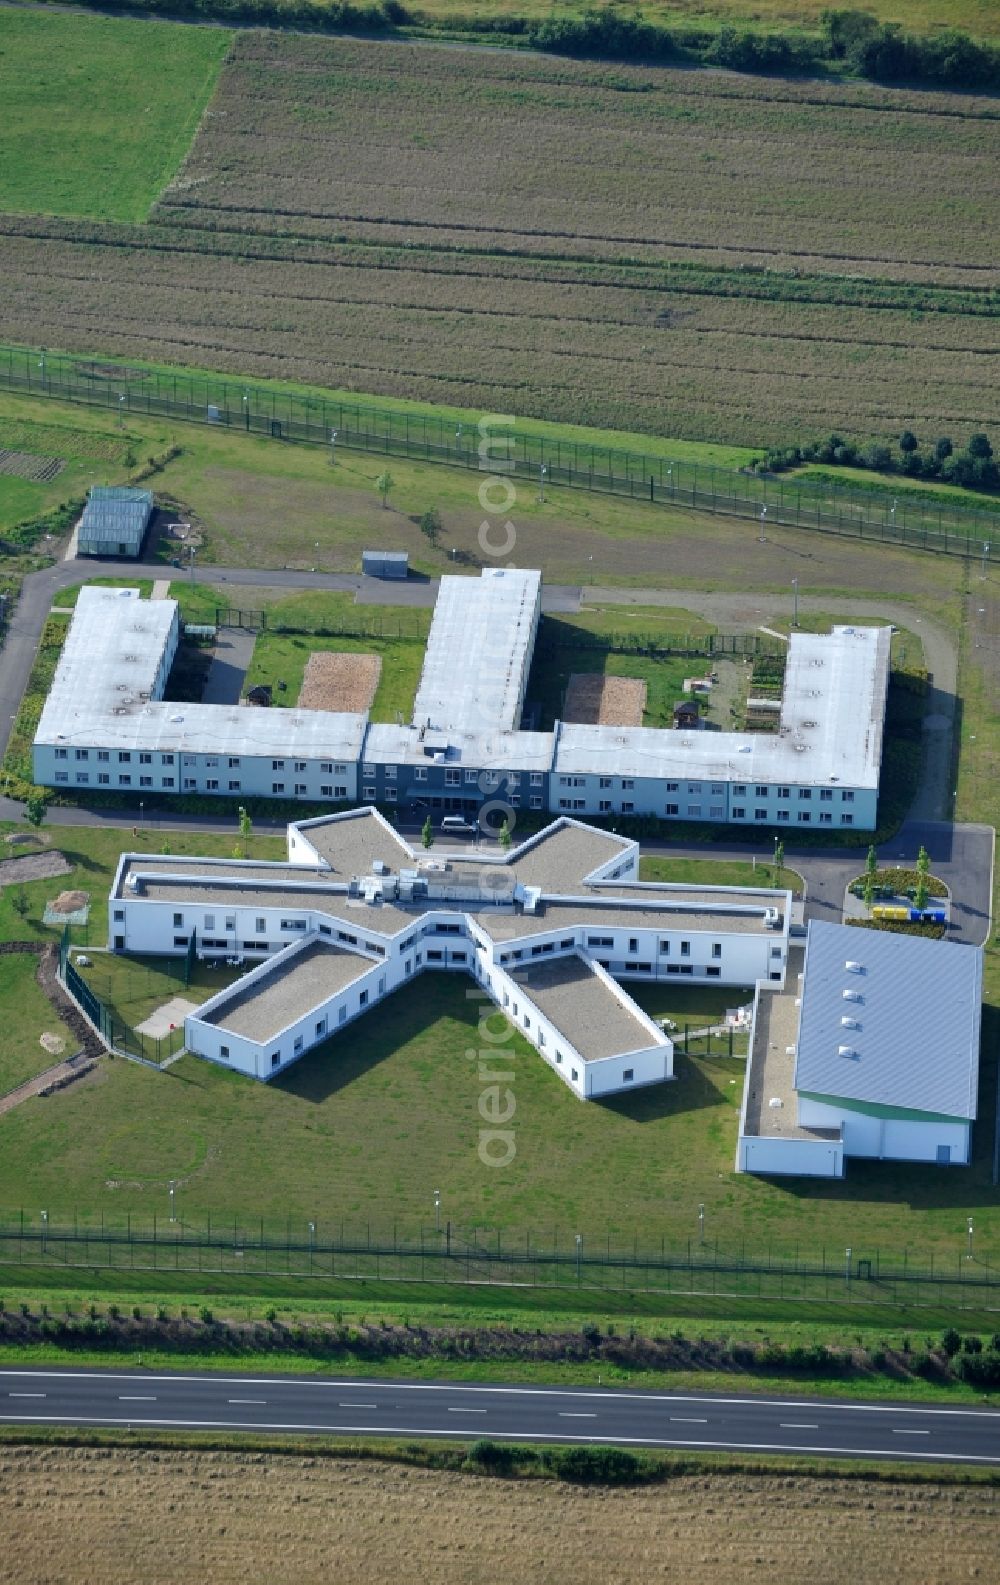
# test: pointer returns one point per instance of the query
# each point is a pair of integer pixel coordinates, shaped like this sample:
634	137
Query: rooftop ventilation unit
775	1103
847	1022
851	996
772	918
380	867
846	1051
853	967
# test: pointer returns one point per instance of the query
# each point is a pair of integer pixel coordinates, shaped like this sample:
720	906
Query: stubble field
676	252
164	1516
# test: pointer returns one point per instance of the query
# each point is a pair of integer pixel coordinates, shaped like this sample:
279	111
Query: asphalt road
356	1407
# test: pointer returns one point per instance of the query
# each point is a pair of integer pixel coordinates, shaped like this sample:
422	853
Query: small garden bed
889	884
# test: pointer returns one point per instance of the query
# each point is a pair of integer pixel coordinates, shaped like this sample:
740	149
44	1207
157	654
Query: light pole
173	1186
968	1253
579	1246
847	1265
795	599
41	365
312	1243
892	513
45	1232
191	555
458	435
437	1210
701	1224
121	411
333	448
542	473
246	411
763	529
986	555
670	478
142	806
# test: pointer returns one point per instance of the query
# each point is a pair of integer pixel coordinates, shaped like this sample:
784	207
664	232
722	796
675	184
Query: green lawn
27	1014
278	658
364	1129
718	872
93	852
98	112
135	987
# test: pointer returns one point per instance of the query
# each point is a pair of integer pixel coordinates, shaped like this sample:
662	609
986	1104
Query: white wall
888	1139
802	1158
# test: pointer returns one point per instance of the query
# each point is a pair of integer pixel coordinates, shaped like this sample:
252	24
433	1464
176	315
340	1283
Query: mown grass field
670	252
27	1015
98	111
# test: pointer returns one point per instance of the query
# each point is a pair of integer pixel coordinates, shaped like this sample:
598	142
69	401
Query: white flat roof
916	1044
403	745
479	651
110	657
830	727
101	696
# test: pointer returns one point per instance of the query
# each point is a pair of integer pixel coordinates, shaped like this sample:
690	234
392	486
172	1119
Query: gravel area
595	700
339	681
33	867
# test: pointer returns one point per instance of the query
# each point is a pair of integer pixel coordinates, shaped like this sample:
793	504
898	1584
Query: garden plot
26	465
337	680
593	699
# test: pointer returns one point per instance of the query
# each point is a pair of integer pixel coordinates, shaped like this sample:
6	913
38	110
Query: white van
457	823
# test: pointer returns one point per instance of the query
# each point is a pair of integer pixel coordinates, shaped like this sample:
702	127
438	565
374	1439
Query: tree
34	810
504	836
943	448
871	862
427	833
908	441
923	862
430	524
979	447
19	902
868	895
779	860
384	484
921	894
246	829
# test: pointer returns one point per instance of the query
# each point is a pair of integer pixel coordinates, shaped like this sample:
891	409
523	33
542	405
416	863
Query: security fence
113	1029
908	518
444	1254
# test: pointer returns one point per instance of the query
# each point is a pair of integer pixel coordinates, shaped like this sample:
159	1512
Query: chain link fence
908	518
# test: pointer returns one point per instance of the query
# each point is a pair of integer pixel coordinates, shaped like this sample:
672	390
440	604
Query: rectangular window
103	755
694	787
628	1075
452	778
717	811
604	781
390	773
804	817
784	792
536	779
83	753
671	809
420	774
739	814
82	777
685	949
574	1075
783	814
739	790
223	1051
124	781
627	807
717	789
167	781
212	784
760	792
368	794
104	780
297	1045
301	789
713	974
341	1015
275	1058
180	941
124	757
390	795
234	760
276	786
825	796
62	775
826	819
536	802
325	766
628	785
260	925
320	1028
145	759
145	781
277	764
847	820
363	999
805	793
665	948
166	759
189	782
209	922
694	811
847	797
234	786
716	949
760	814
604	806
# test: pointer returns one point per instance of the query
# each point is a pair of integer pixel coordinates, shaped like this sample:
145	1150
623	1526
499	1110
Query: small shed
385	563
686	713
114	521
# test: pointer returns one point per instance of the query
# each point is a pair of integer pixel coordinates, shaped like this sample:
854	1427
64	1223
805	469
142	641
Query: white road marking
909	1433
509	1436
796	1425
264	1400
576	1414
26	1395
357	1406
688	1419
312	1384
135	1397
466	1411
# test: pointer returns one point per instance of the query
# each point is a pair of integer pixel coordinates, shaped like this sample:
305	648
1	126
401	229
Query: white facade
105	726
487	918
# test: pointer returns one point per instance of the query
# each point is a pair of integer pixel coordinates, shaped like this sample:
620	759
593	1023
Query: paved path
71	1068
745	1422
230	661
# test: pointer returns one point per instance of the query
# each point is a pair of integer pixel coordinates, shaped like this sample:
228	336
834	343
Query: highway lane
626	1418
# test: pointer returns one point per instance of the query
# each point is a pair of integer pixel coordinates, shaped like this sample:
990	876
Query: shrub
980	1370
951	1342
972	1344
591	1333
597	1466
205	1316
496	1457
136	1313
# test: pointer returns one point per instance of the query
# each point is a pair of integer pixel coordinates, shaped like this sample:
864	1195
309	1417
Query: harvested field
593	699
673	252
158	1516
336	680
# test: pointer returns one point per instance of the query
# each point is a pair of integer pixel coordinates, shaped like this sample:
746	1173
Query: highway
626	1418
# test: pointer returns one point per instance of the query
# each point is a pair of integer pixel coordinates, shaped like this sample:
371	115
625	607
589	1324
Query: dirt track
158	1518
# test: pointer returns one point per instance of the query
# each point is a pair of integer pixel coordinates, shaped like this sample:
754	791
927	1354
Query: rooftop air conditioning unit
851	996
380	867
776	1103
772	918
846	1051
853	967
848	1022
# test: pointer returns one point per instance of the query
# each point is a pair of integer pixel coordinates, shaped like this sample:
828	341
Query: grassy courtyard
364	1129
280	660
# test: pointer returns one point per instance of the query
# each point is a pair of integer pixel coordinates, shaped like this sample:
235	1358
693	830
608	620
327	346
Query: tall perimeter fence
130	390
314	1251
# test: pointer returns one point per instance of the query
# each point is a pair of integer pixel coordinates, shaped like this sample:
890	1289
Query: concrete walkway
62	1072
230	662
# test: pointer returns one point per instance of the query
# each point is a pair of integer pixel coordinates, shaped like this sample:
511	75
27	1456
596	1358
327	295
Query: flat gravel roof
574	998
287	992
